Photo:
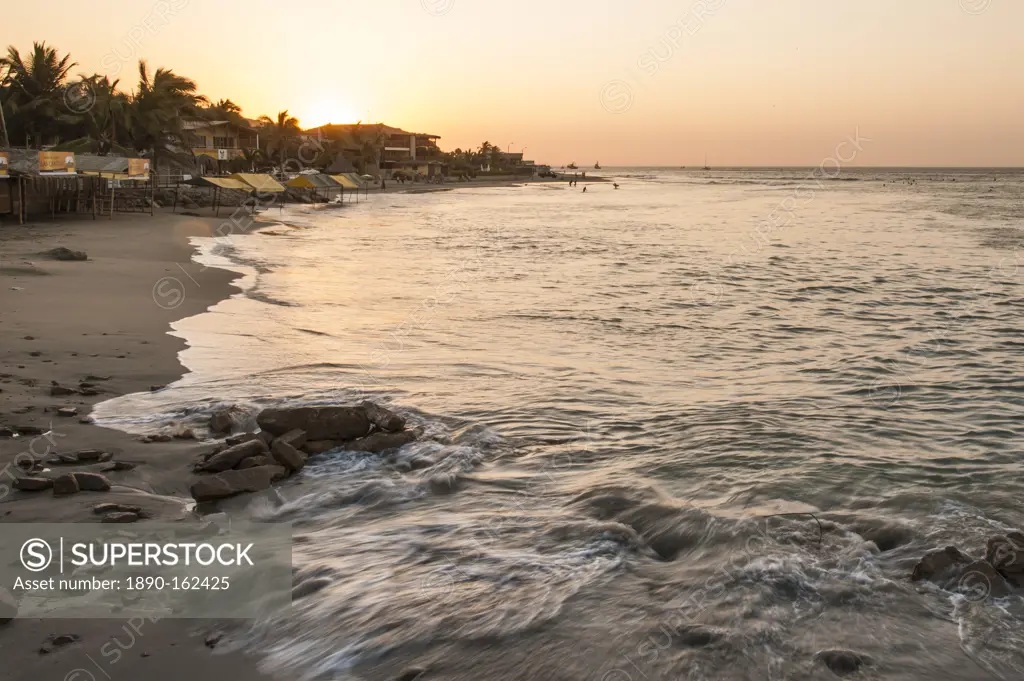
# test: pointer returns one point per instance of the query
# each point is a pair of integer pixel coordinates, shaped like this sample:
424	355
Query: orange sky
659	82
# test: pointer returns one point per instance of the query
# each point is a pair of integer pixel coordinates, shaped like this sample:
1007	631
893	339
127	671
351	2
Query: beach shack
46	182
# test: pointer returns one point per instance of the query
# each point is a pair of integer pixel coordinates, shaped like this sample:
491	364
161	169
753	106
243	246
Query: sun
325	108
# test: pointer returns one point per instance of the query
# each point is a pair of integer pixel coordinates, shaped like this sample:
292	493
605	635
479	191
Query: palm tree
157	109
104	125
281	135
35	90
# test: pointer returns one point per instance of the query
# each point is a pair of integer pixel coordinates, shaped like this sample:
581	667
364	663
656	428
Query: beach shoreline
104	323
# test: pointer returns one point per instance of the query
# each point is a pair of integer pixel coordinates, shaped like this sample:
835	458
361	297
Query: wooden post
111	199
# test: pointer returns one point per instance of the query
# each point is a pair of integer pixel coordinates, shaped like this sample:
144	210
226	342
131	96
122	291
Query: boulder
939	565
254	461
239	439
379	442
979	581
57	390
287	456
91	482
296	438
227	419
89	454
1006	554
315	447
67	412
320	423
33	484
385	419
232	456
230	483
62	253
65	485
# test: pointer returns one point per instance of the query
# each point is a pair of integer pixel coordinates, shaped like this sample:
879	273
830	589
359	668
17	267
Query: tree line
45	105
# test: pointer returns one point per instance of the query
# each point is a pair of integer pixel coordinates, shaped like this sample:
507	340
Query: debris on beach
66	254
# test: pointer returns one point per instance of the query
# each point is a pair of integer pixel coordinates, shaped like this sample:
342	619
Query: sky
649	82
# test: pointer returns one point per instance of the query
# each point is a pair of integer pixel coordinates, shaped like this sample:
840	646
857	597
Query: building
219	141
384	149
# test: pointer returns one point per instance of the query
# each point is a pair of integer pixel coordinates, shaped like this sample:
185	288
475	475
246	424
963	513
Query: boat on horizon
572	166
706	166
597	166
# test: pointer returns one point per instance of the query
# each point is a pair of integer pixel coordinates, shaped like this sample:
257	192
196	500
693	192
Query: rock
232	456
1006	554
57	390
91	482
65	485
842	662
157	437
385	419
979	581
93	377
227	419
120	517
296	438
315	447
155	388
89	454
35	353
8	606
29	430
58	641
88	392
379	442
266	437
6	432
33	484
287	456
67	412
179	431
61	253
213	639
309	586
118	466
230	483
320	423
939	565
100	509
239	439
256	461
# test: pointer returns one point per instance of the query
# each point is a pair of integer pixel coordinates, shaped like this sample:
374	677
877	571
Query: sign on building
56	162
4	162
222	154
138	168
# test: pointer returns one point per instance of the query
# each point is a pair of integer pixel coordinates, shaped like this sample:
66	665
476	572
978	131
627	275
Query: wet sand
107	318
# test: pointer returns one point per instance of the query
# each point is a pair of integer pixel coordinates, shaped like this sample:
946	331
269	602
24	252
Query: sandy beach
103	323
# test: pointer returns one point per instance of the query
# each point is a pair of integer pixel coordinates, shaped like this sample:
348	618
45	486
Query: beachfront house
216	143
383	149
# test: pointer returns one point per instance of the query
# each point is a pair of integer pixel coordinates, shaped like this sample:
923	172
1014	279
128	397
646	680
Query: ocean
701	426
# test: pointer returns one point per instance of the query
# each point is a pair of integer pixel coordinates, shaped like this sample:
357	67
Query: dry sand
108	316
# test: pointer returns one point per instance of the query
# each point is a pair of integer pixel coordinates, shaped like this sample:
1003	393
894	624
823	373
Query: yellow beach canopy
261	183
345	181
227	183
313	182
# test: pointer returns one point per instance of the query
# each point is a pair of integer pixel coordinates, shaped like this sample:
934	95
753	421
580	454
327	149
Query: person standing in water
383	186
584	189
